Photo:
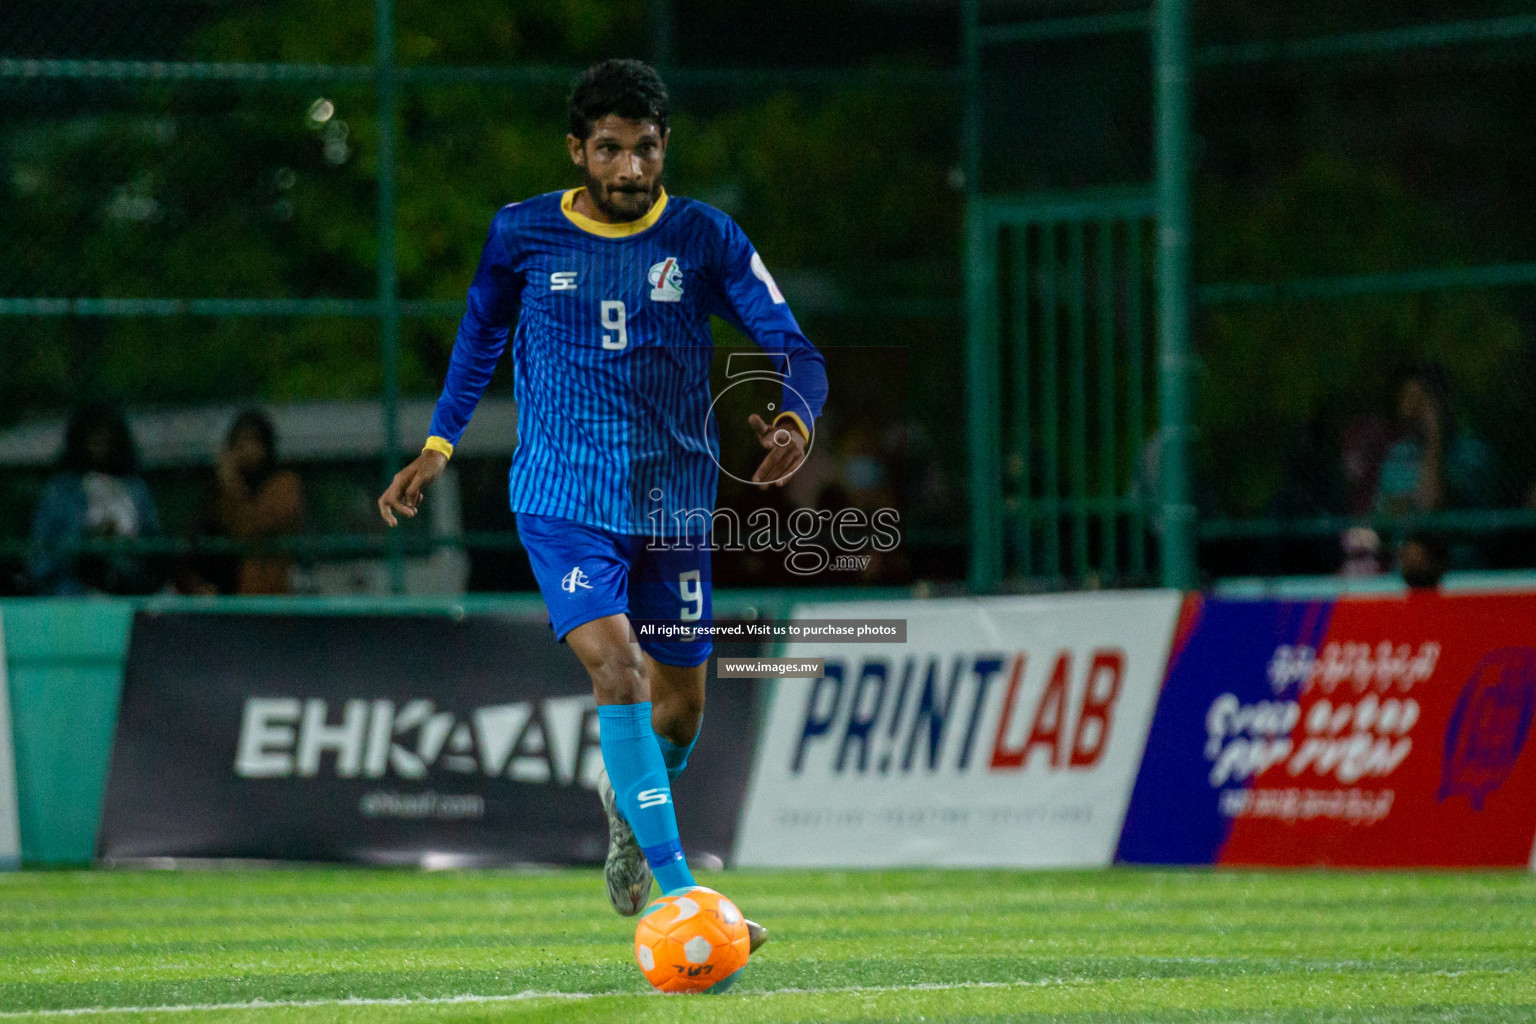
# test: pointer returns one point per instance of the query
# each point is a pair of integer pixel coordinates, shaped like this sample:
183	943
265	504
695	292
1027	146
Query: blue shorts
587	573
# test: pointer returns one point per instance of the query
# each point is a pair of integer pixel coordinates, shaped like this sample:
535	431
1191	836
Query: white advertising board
1004	732
10	829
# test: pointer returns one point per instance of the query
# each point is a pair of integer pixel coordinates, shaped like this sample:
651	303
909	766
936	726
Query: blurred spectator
1423	559
1431	464
1362	552
1413	462
867	460
866	456
253	499
1362	452
97	494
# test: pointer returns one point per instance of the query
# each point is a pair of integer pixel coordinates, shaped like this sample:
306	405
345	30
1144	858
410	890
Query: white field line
263	1004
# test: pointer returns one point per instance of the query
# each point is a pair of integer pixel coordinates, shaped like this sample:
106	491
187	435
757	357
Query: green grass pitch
380	947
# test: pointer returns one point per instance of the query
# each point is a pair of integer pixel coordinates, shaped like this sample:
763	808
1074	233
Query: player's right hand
404	492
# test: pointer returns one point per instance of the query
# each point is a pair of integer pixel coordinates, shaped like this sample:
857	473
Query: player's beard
620	205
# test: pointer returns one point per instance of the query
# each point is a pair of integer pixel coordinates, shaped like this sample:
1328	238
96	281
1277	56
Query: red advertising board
1407	727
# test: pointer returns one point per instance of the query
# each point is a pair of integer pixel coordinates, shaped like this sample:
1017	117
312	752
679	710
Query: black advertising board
405	739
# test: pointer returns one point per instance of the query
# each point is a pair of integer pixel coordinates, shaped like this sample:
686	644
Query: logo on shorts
573	579
562	281
666	280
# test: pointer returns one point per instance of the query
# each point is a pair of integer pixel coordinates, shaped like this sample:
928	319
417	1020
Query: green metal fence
1059	517
1100	323
1119	482
135	172
1064	386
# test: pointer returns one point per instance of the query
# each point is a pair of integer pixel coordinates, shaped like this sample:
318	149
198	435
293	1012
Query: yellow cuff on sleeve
438	444
796	420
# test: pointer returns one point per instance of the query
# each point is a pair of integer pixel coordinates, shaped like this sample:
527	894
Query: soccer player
610	287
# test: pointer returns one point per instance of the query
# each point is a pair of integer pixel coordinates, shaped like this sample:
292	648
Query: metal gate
1063	387
1065	357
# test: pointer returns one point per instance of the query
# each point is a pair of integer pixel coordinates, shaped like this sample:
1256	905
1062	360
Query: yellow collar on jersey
597	227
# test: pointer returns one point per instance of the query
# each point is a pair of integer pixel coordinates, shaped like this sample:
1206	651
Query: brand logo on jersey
653	798
666	280
573	579
562	281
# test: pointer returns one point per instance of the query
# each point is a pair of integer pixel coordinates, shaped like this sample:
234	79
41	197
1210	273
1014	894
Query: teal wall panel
66	675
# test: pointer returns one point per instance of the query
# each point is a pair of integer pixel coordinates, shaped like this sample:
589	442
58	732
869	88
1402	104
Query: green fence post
981	319
1050	400
1109	519
1136	389
1170	61
970	122
389	285
982	401
1077	397
1022	439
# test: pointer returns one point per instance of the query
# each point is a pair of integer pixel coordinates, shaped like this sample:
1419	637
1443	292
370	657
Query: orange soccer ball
691	941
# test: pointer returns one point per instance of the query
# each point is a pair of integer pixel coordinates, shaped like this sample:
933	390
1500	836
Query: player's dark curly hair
630	88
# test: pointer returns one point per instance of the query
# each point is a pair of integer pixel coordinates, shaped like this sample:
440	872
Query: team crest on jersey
666	279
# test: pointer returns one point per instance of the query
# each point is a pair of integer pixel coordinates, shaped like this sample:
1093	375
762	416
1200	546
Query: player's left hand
404	493
786	452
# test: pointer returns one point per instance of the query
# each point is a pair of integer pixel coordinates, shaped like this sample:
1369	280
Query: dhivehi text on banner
1004	732
1384	731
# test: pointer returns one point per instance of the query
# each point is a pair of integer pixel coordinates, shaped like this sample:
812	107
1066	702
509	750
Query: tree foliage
1271	372
270	191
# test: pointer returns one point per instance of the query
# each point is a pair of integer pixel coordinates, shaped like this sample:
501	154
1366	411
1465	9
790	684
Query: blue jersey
611	356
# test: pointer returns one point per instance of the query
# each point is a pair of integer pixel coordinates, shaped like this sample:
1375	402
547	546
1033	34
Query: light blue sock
639	778
676	757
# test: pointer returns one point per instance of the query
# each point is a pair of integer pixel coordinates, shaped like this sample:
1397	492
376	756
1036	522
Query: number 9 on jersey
612	312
